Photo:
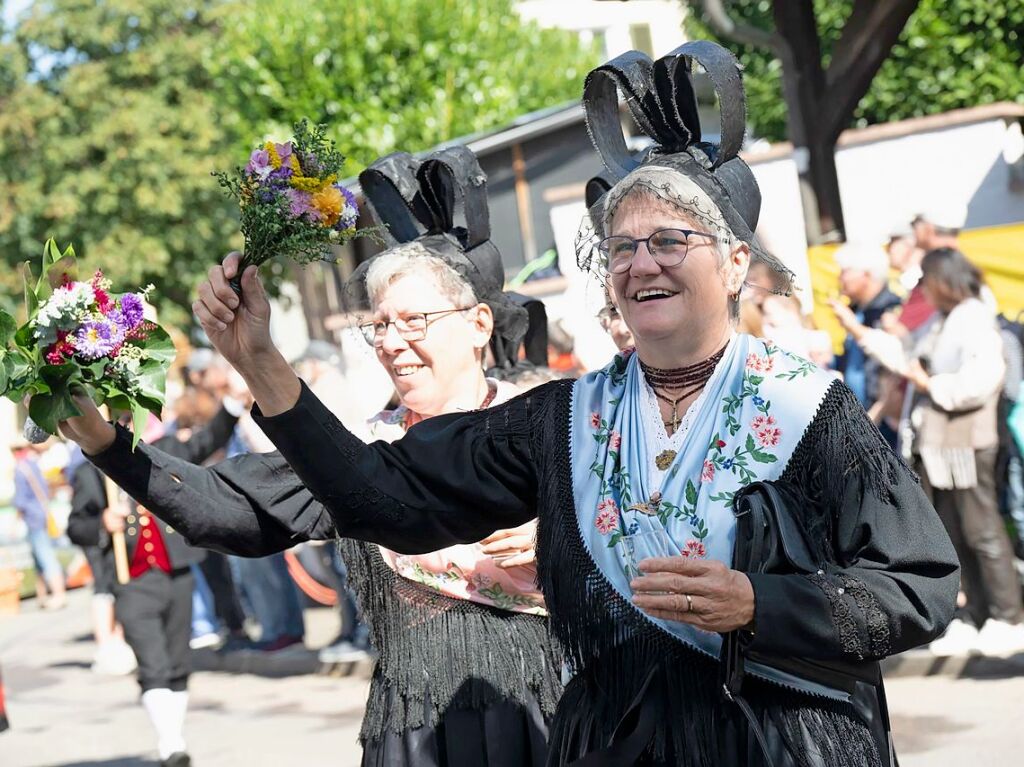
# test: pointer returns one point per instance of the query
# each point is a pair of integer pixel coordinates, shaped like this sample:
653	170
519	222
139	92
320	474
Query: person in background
264	584
32	501
113	655
612	322
957	372
155	605
937	227
905	257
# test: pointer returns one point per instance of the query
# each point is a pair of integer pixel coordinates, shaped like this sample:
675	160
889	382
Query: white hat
947	215
863	256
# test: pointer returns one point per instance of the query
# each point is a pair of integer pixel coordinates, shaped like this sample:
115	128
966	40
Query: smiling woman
637	537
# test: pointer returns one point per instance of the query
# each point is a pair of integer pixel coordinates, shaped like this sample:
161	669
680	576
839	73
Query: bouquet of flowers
290	200
81	338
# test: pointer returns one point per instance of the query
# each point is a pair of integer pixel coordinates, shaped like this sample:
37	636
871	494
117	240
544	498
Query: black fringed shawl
440	654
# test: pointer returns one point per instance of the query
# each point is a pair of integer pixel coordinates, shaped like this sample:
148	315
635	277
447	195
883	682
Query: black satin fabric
500	735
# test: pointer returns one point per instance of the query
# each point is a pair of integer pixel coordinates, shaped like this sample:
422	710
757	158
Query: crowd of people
562	566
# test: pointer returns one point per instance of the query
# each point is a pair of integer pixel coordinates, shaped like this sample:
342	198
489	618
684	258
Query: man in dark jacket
155	606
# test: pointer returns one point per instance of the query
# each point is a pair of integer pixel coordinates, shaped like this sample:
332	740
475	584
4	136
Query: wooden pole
116	538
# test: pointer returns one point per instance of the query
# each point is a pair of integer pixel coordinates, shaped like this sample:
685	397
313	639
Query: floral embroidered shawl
755	408
463	571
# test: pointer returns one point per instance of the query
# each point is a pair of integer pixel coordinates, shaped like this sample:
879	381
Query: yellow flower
275	158
311	184
328	203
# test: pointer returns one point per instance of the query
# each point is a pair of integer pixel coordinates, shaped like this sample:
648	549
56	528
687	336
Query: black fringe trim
439	654
611	648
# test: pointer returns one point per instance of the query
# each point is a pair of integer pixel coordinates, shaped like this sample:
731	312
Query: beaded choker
686	380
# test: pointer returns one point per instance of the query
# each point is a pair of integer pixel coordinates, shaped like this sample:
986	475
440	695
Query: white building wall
612	20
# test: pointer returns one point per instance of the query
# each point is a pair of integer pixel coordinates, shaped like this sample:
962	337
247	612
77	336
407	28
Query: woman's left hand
720	599
513	547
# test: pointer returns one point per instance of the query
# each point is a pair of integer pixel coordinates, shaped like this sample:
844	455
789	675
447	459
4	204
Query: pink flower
614	440
694	548
607	516
762	421
769	436
595	420
707	474
760	364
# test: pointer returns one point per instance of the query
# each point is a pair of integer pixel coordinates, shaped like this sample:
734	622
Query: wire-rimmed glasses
411	327
668	247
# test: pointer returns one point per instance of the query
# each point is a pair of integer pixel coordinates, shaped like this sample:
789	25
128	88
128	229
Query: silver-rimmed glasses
411	327
667	247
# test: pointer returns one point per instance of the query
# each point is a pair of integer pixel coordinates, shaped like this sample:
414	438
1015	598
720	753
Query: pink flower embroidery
761	422
595	420
769	436
614	440
760	364
694	548
708	472
480	581
607	516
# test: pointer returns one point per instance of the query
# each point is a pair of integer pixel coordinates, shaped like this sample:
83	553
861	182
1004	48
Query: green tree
391	75
110	124
951	54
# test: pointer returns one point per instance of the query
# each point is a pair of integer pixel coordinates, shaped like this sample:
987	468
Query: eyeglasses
411	327
607	316
667	247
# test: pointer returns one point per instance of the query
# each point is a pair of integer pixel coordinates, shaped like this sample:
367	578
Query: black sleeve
88	500
890	580
204	441
251	505
451	479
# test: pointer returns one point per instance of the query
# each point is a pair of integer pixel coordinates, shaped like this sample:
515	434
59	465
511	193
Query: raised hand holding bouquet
80	338
290	200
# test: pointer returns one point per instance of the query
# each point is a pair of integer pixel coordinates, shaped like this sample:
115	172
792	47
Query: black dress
887	582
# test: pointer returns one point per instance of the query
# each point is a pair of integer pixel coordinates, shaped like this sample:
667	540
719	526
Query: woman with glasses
467	674
611	321
632	472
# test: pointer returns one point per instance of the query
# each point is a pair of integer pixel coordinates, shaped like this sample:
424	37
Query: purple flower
301	204
259	164
349	212
284	151
97	338
132	310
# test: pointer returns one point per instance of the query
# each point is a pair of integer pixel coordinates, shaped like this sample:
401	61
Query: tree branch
740	32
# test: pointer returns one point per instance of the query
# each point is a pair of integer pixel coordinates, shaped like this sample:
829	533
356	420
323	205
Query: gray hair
413	258
866	257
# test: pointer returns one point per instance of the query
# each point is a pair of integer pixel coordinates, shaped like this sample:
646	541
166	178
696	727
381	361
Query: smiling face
681	311
443	367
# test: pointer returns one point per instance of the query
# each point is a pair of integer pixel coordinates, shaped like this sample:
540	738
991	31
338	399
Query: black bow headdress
416	200
661	98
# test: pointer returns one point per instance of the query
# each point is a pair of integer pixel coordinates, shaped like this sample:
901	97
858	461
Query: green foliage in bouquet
289	198
81	338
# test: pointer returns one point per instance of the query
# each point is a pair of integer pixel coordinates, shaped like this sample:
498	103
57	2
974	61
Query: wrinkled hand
513	547
722	599
90	430
237	326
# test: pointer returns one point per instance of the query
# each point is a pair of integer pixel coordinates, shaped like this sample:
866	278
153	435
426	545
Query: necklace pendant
664	459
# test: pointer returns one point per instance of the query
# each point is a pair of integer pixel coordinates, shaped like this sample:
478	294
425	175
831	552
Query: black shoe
177	759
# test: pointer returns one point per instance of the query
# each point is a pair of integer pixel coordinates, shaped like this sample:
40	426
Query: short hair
954	276
411	258
864	257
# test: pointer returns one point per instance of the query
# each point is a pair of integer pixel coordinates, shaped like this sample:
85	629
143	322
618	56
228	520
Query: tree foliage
109	129
114	113
951	54
390	75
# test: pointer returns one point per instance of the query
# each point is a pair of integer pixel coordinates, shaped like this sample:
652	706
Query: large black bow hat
661	98
416	200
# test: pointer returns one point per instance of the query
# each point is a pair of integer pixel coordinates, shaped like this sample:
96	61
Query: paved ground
64	716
